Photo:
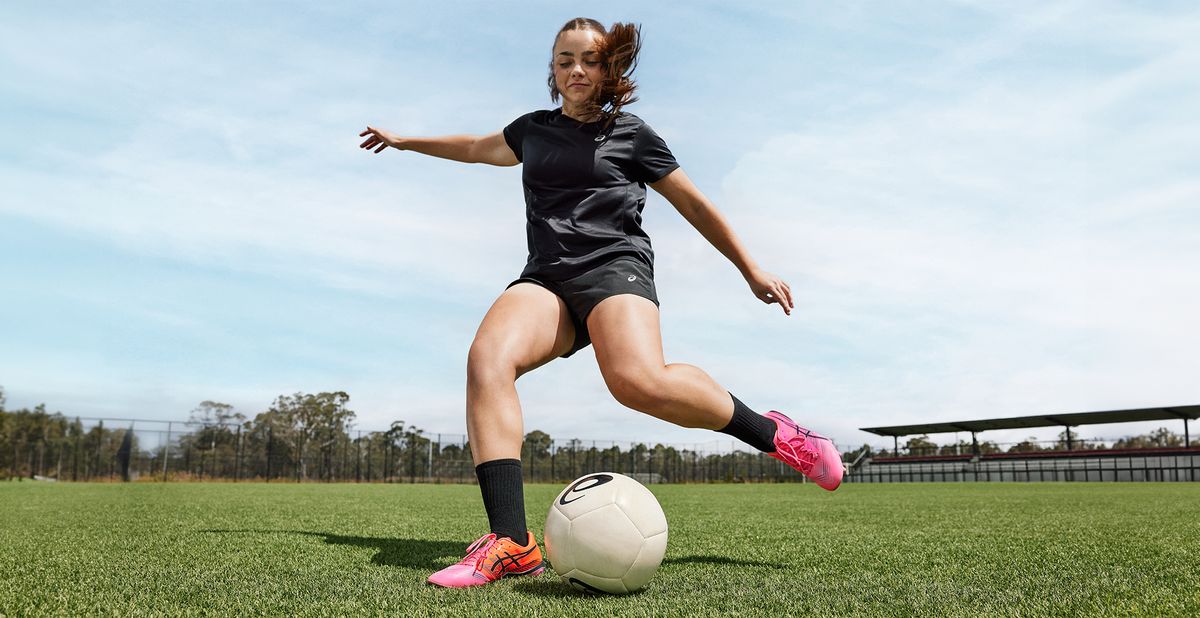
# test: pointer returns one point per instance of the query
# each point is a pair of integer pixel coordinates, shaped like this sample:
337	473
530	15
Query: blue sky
983	210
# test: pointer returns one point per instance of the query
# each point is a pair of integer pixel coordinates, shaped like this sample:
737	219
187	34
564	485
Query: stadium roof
1071	419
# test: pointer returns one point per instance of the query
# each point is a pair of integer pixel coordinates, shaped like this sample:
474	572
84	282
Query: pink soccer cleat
490	558
812	454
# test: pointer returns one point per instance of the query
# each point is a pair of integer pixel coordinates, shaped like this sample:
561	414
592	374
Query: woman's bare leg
625	334
628	344
527	327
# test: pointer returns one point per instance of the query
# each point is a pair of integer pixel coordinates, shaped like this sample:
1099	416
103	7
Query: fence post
237	457
270	449
345	447
99	445
74	455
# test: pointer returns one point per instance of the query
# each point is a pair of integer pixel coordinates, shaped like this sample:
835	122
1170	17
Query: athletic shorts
624	275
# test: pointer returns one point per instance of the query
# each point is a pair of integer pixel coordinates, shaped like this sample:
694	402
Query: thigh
625	334
528	326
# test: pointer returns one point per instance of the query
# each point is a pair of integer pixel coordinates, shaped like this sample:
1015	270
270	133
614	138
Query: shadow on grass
430	556
550	586
411	553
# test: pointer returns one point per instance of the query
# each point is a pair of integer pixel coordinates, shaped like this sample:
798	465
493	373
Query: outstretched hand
771	289
379	140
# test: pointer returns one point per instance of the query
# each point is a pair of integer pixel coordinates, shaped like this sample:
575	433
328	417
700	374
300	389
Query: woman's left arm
697	210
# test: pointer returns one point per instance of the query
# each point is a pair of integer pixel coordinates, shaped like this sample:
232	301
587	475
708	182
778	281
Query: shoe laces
794	449
478	550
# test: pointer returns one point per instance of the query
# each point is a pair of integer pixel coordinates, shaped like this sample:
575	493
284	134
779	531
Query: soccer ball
606	533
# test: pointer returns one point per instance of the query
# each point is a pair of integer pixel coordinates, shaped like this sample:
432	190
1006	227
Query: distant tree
537	444
6	438
638	454
1028	445
1163	437
416	444
611	458
214	413
667	461
332	422
302	419
35	436
391	447
72	440
452	458
270	442
1159	438
957	448
988	447
1077	443
215	439
920	445
32	442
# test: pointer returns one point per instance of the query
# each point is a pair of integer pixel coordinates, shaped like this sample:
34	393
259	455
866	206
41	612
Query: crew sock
503	497
750	427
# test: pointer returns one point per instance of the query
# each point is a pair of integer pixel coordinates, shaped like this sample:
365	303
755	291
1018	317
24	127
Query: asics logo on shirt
633	277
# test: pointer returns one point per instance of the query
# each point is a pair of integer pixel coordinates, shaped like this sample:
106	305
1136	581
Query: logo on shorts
633	277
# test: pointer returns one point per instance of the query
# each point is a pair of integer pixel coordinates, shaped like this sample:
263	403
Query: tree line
310	437
300	435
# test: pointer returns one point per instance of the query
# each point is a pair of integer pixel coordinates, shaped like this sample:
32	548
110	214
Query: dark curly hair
618	49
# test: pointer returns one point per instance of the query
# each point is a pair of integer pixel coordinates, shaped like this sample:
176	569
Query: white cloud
989	225
994	250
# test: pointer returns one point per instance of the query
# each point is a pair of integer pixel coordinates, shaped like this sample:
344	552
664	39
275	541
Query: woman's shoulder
538	116
627	118
631	123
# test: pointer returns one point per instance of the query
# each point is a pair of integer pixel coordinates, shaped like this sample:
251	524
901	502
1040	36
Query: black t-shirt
585	189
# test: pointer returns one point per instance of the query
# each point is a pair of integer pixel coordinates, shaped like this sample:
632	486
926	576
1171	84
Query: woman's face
577	70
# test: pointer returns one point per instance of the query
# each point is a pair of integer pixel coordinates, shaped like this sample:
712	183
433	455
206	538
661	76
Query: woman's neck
579	113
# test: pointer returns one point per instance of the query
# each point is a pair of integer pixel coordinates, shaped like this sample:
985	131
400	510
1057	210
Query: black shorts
624	275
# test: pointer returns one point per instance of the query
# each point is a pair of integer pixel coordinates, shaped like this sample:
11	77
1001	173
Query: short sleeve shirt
585	188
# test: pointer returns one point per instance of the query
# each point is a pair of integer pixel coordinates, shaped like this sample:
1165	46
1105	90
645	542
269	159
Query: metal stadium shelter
1066	420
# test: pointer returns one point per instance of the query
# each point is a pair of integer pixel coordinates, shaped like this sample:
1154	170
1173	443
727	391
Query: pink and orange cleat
489	559
814	455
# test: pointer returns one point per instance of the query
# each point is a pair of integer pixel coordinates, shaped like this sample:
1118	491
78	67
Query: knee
639	388
487	363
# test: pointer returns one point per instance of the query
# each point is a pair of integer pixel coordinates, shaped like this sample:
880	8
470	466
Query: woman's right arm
490	149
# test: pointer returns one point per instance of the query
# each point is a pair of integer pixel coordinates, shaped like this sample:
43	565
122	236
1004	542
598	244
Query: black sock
503	497
750	427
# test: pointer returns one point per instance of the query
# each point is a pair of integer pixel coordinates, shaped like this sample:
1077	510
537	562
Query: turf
894	550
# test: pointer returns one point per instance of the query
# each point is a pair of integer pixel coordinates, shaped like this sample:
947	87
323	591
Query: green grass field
897	550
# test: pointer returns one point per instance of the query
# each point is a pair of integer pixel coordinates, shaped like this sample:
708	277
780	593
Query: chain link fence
52	447
91	449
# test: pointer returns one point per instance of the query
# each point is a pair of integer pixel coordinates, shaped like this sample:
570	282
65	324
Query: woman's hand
771	289
379	138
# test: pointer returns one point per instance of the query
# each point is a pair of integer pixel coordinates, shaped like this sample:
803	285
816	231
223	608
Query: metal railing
1166	465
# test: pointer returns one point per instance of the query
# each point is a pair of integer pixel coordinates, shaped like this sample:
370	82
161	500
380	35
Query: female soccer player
590	278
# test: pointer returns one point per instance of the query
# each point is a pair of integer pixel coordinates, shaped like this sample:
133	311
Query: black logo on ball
582	585
582	485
